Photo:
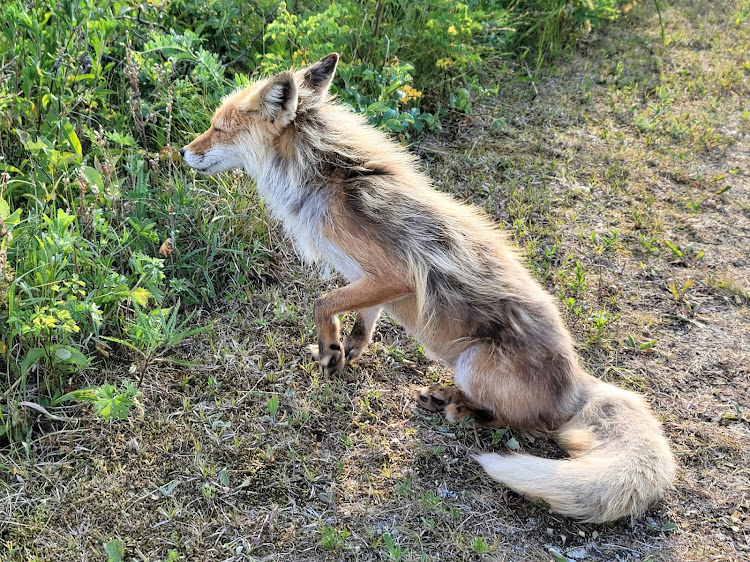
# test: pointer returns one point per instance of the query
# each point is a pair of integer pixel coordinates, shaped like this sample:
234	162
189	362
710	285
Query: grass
609	173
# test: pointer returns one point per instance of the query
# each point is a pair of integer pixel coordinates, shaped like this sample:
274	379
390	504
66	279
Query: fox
351	197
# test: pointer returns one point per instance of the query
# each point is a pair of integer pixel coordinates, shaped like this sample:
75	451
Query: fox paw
436	398
455	405
331	360
354	349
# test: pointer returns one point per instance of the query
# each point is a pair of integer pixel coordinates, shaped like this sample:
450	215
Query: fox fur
350	196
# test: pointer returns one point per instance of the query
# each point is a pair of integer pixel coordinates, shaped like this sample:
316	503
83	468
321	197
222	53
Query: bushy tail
620	461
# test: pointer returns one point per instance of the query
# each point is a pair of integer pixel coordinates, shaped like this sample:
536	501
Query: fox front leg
361	335
365	296
329	352
357	340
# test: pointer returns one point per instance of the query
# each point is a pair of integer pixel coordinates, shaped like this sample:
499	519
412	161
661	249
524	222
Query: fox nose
182	152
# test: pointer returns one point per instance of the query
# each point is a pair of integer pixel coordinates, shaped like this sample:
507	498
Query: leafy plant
599	322
273	406
393	551
644	346
153	333
479	546
115	551
109	402
332	538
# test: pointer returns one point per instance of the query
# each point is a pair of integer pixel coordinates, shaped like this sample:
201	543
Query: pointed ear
319	75
278	99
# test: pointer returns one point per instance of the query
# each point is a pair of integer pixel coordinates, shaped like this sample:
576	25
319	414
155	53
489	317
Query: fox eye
217	130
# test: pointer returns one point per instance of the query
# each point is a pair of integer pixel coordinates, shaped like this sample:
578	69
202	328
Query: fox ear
278	99
318	76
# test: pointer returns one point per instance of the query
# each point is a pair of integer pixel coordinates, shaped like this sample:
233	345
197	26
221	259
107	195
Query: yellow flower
452	30
409	94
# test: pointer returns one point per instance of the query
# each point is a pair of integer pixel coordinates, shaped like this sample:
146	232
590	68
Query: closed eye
217	130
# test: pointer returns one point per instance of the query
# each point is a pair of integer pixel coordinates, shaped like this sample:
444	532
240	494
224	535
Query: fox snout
209	157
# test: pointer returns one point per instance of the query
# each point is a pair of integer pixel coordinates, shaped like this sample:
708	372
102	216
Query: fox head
245	130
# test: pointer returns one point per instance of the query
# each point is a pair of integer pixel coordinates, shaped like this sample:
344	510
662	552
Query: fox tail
620	461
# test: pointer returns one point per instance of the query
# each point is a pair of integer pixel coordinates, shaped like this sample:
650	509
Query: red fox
350	196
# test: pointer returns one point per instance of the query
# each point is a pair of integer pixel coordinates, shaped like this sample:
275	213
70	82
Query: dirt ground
624	177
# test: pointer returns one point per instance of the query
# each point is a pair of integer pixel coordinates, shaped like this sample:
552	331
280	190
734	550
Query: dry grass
628	145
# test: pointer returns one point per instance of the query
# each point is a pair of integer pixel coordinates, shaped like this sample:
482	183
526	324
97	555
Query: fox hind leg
456	405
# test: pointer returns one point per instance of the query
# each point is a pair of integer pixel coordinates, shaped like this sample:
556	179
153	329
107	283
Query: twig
266	21
661	23
533	85
138	19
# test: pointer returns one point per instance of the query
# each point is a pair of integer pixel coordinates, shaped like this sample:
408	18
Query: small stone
578	553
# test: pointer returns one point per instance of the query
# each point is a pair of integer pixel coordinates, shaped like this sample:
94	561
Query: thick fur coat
348	195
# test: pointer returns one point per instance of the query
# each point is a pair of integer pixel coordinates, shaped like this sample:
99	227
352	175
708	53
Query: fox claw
455	405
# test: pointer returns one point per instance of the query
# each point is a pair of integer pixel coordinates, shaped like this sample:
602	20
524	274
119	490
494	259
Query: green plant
115	551
403	485
479	546
679	291
273	406
644	346
578	283
605	242
385	97
393	551
548	24
155	332
648	244
109	402
332	538
599	322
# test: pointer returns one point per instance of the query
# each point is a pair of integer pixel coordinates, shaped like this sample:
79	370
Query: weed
479	546
578	283
599	322
431	500
604	242
630	342
109	402
675	250
153	333
332	538
649	244
679	291
403	485
115	551
273	407
393	551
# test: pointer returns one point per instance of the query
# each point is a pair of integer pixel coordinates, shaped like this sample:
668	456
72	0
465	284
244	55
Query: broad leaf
32	357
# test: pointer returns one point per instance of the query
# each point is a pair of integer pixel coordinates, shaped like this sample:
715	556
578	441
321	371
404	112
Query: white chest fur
304	213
